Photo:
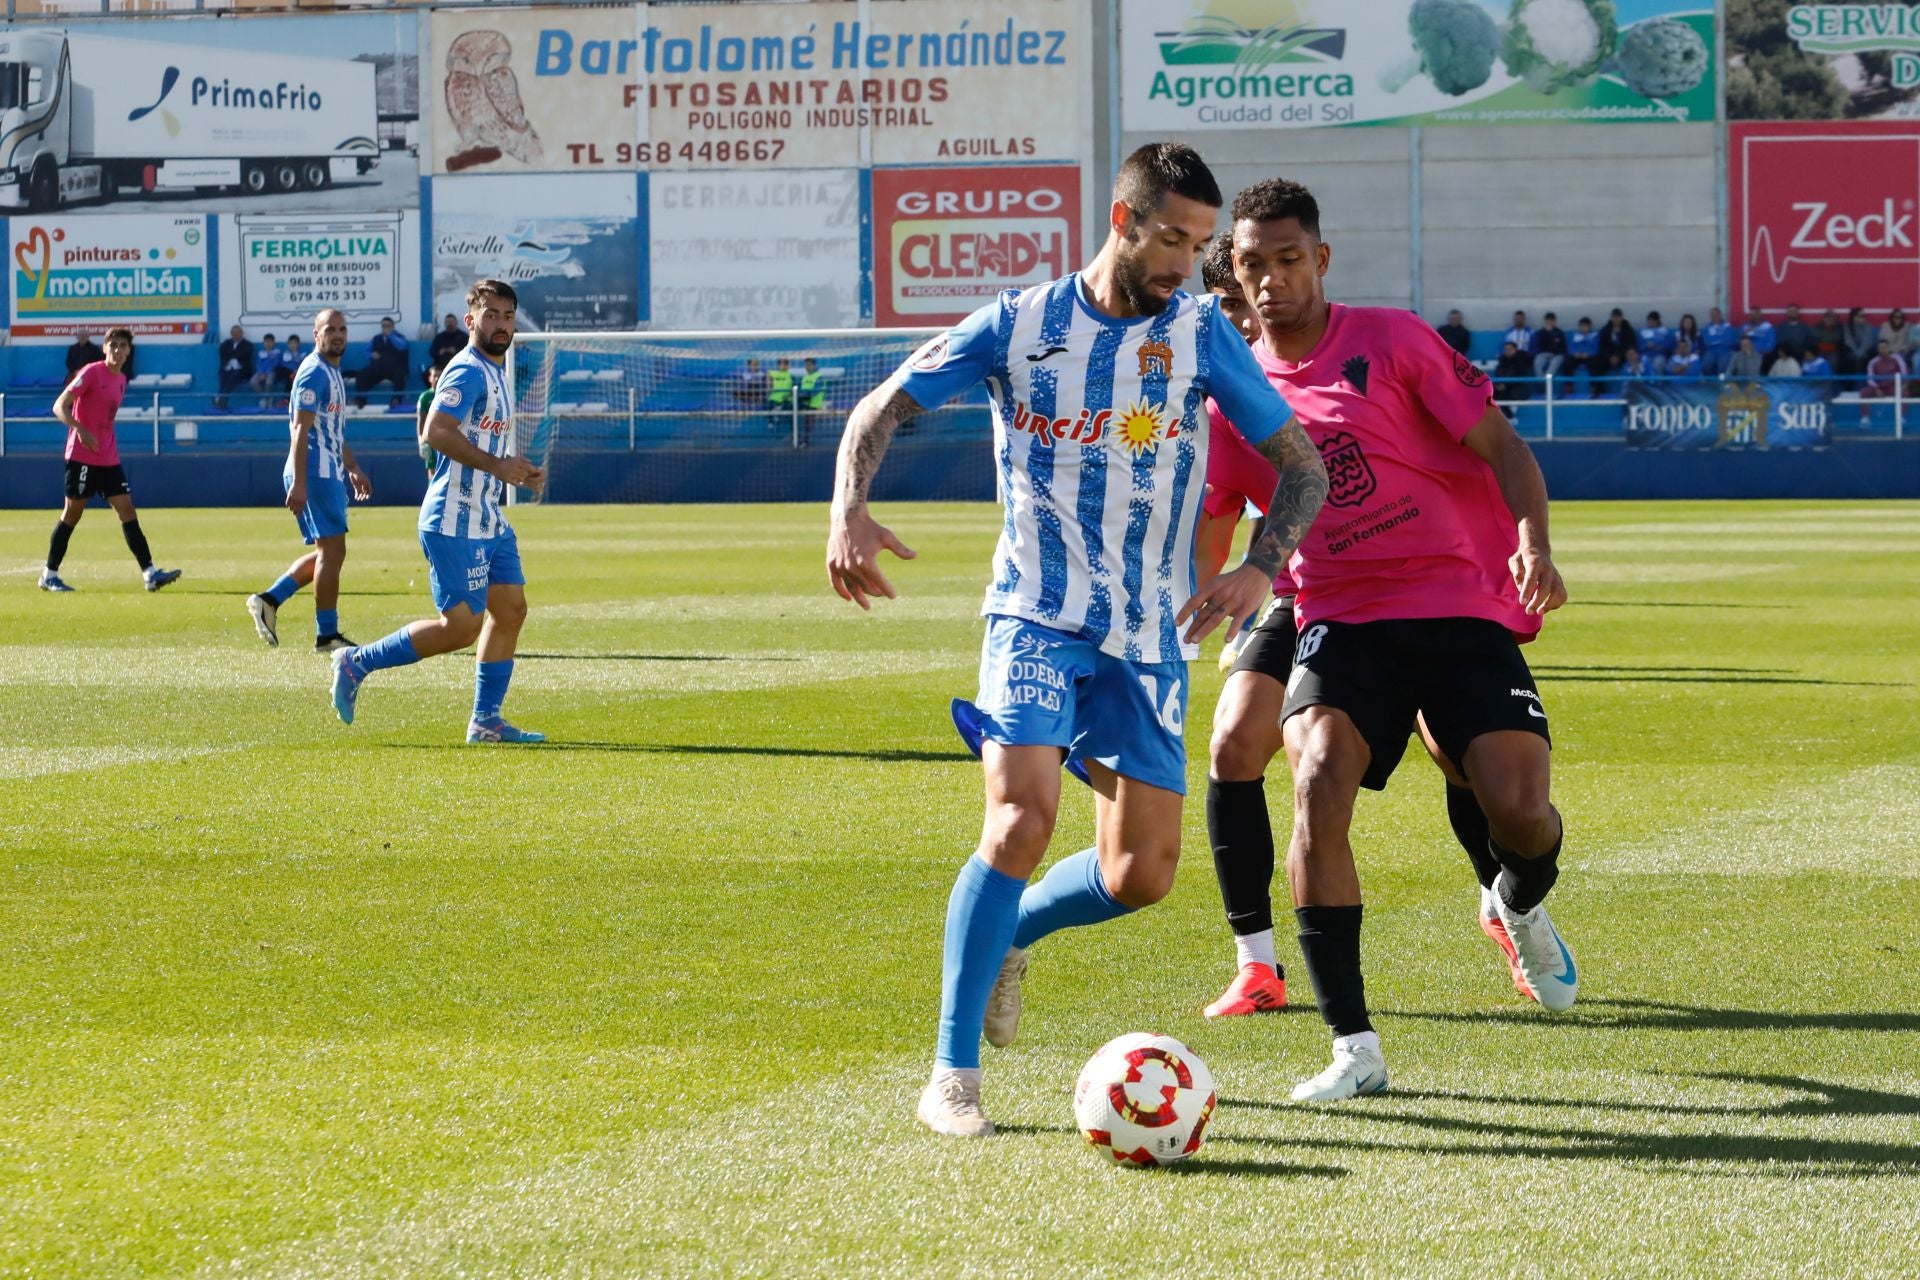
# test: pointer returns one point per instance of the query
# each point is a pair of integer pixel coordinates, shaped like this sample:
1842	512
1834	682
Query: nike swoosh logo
1535	711
1569	977
1372	1084
1050	351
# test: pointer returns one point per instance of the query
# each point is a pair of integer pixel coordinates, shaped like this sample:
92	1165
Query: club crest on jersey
1349	479
1156	359
1356	373
1467	371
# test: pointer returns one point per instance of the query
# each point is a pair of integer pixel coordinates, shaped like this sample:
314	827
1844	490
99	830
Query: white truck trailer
84	116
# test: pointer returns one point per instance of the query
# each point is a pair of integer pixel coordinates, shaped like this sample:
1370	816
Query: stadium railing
601	393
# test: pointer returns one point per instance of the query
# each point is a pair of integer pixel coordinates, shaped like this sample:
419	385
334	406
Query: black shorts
1270	650
84	479
1465	675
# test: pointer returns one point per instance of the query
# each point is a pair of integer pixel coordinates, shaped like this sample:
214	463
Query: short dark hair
1549	316
269	338
1586	320
498	290
1159	169
1653	315
118	332
1272	199
1216	268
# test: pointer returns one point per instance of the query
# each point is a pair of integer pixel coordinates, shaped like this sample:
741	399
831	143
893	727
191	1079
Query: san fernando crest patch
1350	480
1467	371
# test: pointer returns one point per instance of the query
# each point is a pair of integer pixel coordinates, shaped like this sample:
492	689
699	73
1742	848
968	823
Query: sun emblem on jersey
1156	359
1141	428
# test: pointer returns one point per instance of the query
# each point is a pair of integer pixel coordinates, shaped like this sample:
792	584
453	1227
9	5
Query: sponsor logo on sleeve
308	398
931	356
450	397
1467	371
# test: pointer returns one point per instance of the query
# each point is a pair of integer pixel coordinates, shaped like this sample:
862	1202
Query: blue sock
326	622
1071	894
980	915
490	689
395	650
282	591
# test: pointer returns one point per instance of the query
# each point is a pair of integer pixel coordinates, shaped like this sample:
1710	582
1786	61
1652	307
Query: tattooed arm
1296	501
854	537
1297	498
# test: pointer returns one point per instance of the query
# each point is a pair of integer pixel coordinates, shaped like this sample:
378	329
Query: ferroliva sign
1262	64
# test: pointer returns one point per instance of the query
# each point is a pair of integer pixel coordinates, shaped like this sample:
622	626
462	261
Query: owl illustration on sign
483	100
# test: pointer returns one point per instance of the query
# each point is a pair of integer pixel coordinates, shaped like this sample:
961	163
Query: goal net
729	417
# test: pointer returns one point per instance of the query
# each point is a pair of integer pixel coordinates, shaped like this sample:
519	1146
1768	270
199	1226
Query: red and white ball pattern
1144	1100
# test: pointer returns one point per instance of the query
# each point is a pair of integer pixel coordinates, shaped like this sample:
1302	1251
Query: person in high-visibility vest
813	398
779	395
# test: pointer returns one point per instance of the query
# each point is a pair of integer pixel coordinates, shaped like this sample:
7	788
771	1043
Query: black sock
137	543
57	546
1242	839
1525	881
1469	823
1330	944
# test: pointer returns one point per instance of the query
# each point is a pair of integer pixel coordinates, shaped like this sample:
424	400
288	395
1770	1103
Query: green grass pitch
283	998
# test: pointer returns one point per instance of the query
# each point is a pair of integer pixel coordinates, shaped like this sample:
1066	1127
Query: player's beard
496	344
1130	277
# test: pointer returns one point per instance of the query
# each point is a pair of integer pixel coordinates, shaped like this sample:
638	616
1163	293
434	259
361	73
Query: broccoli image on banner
1552	44
1454	42
1660	58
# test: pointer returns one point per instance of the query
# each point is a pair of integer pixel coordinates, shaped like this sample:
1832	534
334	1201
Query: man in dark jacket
1616	339
448	343
1794	335
386	362
83	352
1455	332
236	365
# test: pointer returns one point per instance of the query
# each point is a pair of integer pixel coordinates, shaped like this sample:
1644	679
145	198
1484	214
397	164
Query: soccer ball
1144	1100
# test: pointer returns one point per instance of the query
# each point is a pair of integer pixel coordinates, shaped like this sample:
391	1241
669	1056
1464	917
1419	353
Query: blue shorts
461	569
1041	687
325	515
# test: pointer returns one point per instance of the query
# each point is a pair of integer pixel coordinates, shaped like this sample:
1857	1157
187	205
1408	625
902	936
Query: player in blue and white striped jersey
1099	383
320	468
473	558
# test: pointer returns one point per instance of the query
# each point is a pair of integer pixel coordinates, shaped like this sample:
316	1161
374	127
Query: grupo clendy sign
945	241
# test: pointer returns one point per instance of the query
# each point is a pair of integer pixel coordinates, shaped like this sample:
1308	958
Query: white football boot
1358	1069
1542	954
950	1104
1003	1003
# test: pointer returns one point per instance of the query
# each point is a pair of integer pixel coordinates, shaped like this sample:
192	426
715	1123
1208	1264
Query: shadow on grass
1826	1156
1209	1162
1676	604
887	755
1660	1015
1655	666
645	657
217	591
1656	677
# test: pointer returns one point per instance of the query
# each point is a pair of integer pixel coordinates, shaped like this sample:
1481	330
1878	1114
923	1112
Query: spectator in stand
750	384
1684	362
1616	340
1899	334
1816	366
265	365
236	365
1521	335
1583	354
1784	365
1455	333
1549	347
1656	341
1633	369
1884	370
1862	342
1795	335
1745	362
1513	363
290	357
448	343
386	362
1830	339
1690	331
1766	339
83	352
1717	342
